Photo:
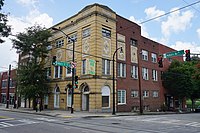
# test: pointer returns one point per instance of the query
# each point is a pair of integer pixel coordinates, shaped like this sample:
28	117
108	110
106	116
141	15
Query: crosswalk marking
161	119
46	119
6	124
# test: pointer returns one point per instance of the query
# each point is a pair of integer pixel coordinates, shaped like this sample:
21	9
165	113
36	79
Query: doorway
85	98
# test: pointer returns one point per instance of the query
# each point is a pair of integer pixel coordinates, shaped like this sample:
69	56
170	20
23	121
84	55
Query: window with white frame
105	96
84	66
4	84
121	96
145	75
106	33
72	37
69	97
48	72
57	71
46	99
133	42
68	71
86	32
154	75
155	93
59	43
3	98
134	93
144	55
121	69
145	93
105	67
153	57
134	72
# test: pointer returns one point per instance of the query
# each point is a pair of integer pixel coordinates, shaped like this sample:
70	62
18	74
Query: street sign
62	64
175	53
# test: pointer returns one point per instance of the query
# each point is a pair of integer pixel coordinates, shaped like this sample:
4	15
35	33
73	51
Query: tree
5	29
196	82
182	79
31	77
178	79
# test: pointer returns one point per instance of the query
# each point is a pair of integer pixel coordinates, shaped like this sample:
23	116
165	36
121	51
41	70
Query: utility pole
8	87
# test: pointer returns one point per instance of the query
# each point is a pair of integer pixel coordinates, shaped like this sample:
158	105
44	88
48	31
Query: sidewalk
78	114
67	114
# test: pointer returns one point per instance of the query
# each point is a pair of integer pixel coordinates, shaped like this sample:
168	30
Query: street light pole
73	69
121	50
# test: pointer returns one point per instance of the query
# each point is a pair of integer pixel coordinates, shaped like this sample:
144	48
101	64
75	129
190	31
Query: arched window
105	96
56	97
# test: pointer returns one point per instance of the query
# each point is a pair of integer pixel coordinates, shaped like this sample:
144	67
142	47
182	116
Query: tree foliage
31	77
5	29
182	79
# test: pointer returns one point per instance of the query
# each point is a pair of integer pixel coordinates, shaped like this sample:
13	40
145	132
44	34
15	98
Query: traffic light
160	62
76	81
187	55
54	60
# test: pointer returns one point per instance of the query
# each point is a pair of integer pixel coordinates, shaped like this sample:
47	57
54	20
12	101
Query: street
15	122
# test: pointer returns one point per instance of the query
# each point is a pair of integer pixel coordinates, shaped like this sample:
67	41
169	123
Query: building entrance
85	98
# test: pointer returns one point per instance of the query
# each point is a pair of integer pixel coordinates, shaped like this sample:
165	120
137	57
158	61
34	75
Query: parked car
197	109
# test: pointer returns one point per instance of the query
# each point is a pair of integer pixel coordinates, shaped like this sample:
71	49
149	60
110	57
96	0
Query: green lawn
189	103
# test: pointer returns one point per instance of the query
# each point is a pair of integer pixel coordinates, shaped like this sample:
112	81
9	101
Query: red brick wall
132	30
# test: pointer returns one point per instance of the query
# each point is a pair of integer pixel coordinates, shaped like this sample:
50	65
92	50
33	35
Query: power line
170	12
191	6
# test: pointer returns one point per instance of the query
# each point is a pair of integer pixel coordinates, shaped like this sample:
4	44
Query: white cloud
198	32
28	2
19	24
177	22
152	12
194	48
36	17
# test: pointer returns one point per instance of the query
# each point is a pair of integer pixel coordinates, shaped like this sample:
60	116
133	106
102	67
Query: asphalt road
13	122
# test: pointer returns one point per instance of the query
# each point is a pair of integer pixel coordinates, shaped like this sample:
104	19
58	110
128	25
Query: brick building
98	32
4	87
138	71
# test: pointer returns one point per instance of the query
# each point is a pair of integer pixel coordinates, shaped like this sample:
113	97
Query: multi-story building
139	71
4	87
98	32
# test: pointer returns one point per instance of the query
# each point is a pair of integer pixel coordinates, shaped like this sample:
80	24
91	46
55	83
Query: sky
179	30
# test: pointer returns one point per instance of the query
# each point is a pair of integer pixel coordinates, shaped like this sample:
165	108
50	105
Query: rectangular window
134	93
145	93
145	75
155	94
106	33
144	55
153	57
84	66
68	71
58	72
46	100
154	75
59	43
121	69
121	96
72	37
4	84
105	101
48	72
3	98
134	72
86	32
133	42
105	67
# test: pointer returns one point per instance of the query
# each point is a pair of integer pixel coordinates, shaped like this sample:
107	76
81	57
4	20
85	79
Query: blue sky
179	30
